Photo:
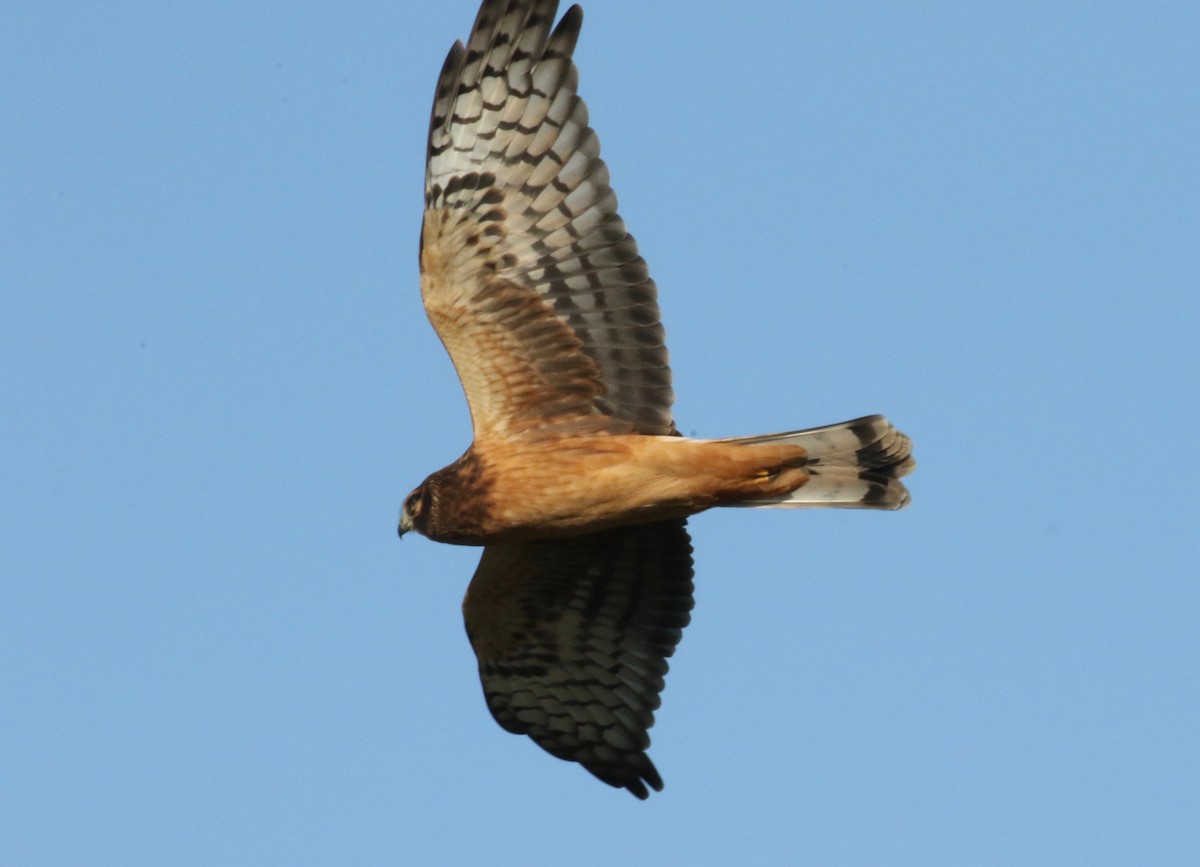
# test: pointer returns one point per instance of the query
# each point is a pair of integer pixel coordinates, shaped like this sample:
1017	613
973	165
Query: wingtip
566	32
646	775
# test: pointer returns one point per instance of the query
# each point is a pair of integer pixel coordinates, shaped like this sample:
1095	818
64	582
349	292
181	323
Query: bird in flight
577	485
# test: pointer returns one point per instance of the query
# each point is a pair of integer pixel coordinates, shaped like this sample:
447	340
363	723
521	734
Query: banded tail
853	465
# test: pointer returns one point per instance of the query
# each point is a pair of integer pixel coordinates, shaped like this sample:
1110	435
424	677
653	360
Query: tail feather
853	465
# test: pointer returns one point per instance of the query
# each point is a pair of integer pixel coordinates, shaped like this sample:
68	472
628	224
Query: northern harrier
577	485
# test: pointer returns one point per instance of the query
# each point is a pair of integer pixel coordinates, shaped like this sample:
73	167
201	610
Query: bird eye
413	503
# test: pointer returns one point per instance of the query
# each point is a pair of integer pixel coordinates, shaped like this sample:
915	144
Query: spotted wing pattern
528	273
572	637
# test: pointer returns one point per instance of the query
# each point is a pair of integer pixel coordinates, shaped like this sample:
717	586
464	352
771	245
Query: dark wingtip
647	775
566	33
639	773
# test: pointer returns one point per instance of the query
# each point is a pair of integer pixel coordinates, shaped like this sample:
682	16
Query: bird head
415	513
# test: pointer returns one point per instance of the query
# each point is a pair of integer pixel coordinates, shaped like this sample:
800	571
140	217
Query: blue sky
218	384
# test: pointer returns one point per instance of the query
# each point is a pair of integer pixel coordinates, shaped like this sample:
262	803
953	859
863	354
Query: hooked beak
406	524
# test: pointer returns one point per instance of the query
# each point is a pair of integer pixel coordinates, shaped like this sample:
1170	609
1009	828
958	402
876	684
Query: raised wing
527	272
572	637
